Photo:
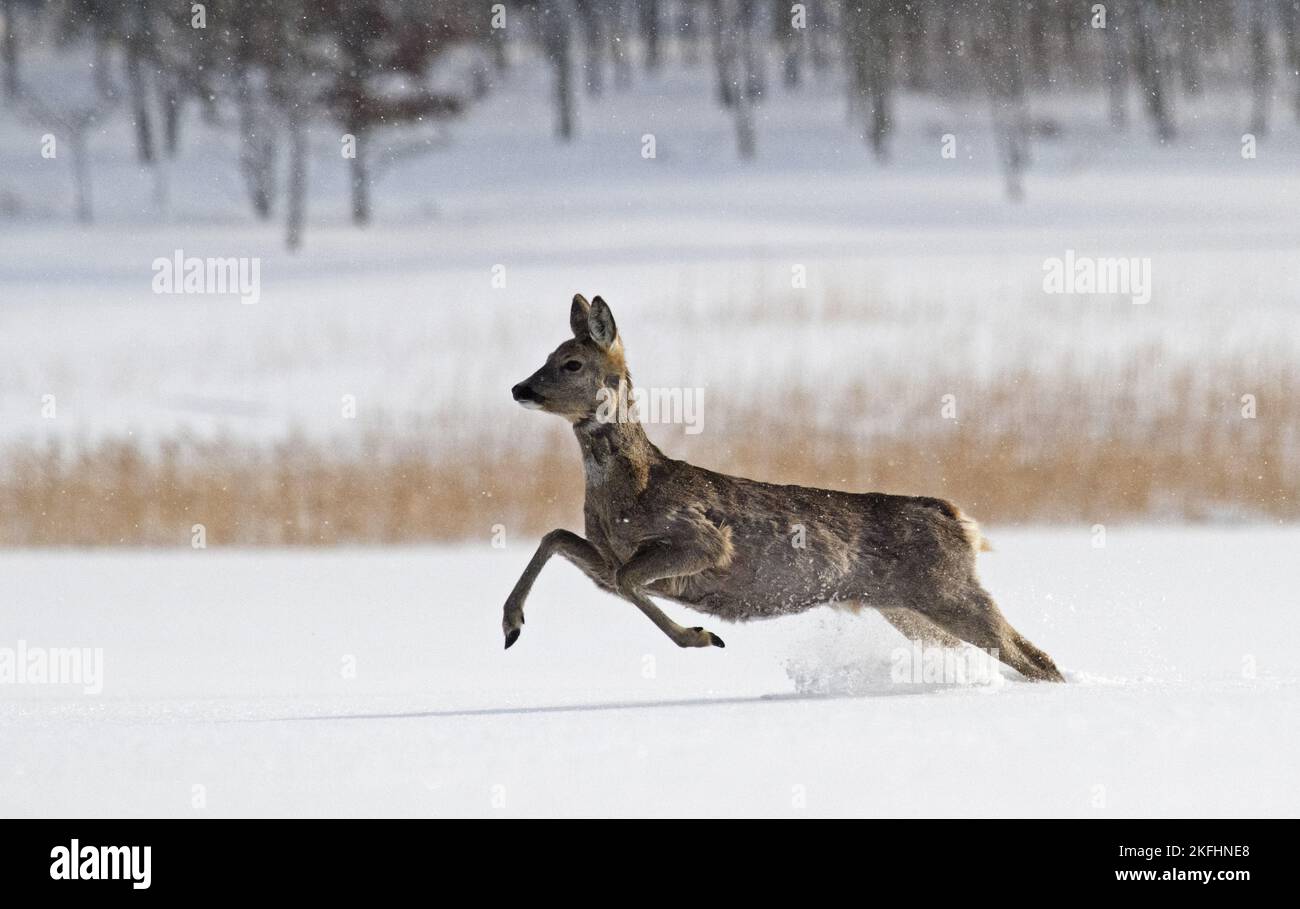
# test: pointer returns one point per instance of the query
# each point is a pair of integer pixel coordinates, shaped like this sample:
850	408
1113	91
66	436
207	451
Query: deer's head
570	381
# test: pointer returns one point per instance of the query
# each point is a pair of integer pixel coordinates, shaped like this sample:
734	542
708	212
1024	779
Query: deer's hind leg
971	615
916	627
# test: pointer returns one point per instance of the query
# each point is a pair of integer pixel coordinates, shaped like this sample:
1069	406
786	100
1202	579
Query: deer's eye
573	366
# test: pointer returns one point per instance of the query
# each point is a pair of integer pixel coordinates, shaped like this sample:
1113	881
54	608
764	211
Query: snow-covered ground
228	689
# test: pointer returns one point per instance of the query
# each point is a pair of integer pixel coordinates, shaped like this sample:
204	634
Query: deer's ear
600	322
578	317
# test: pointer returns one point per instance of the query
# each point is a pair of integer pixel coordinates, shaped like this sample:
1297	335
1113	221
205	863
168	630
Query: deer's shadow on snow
603	706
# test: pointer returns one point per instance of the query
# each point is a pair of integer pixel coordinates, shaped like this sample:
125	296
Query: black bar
334	858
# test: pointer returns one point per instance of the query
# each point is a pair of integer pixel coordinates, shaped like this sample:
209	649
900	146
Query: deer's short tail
971	528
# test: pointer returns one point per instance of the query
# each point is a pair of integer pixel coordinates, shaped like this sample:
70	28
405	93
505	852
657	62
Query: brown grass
1026	448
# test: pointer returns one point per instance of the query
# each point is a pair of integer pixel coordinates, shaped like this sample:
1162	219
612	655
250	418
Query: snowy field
226	671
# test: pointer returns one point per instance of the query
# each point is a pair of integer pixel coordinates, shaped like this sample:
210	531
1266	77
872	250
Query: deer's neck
616	452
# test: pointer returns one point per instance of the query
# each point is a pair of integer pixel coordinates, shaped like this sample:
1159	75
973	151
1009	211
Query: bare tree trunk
162	187
136	39
201	81
103	78
950	46
722	52
171	104
295	209
1001	56
881	80
360	176
869	36
1191	30
1289	13
500	49
1147	31
755	81
1071	24
591	14
820	32
480	77
648	15
788	38
853	31
256	151
1116	68
80	156
1036	40
1257	30
914	36
745	138
619	33
288	90
9	45
688	30
555	36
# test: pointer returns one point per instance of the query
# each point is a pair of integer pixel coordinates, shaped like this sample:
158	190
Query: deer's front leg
572	547
658	560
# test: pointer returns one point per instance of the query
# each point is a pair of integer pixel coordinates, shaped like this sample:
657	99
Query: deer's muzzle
525	395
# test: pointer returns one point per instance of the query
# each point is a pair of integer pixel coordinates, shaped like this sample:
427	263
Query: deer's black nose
522	392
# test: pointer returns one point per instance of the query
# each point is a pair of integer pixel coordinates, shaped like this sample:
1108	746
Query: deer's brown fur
730	547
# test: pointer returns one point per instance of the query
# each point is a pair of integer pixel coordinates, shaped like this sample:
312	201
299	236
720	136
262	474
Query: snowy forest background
427	184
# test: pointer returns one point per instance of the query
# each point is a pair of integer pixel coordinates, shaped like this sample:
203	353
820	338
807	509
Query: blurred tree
721	37
1190	21
1257	29
555	23
138	38
620	35
687	29
748	79
265	72
649	19
1289	23
789	39
376	56
1148	30
71	117
1114	37
869	34
591	14
9	46
1000	49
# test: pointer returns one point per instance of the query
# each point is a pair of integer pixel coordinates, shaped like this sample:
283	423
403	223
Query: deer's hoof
706	638
512	623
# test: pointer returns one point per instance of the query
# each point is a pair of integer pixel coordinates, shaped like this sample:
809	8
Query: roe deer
722	544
